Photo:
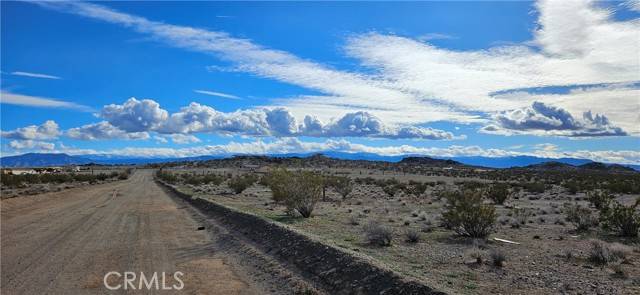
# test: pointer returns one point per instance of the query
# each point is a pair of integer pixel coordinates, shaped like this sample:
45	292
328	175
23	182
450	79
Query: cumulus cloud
47	130
135	115
103	130
542	119
31	144
146	115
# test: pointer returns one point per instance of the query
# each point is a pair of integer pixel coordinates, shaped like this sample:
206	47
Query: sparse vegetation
497	258
412	235
239	183
580	217
378	234
299	191
604	253
600	199
498	193
467	215
625	220
343	185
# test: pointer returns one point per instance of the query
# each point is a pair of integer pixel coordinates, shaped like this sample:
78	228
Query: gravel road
65	243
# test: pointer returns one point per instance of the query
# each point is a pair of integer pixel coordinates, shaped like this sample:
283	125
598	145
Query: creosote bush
600	199
298	191
467	215
580	217
378	234
498	193
342	185
239	183
625	220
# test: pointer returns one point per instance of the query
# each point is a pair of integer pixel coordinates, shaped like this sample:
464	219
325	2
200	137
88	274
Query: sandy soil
65	242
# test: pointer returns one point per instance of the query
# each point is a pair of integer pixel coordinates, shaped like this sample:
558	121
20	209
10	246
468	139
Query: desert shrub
390	189
604	253
497	258
572	186
299	191
580	217
239	183
166	176
416	188
412	235
534	187
212	179
342	185
600	199
625	220
467	215
476	254
102	176
378	234
125	174
498	193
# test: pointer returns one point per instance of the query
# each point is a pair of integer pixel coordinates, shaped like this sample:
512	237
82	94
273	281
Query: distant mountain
606	167
553	165
37	160
41	160
516	161
427	161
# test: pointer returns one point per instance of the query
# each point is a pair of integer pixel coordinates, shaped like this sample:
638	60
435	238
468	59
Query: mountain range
57	159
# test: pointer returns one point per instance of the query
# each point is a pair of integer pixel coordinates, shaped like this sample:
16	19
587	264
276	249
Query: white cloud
541	119
547	147
135	115
48	130
214	93
576	43
103	130
44	102
31	144
147	115
35	75
177	138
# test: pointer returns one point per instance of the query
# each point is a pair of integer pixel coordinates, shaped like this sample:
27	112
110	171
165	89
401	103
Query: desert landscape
320	147
545	230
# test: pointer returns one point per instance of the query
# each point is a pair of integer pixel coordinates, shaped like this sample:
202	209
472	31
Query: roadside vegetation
24	180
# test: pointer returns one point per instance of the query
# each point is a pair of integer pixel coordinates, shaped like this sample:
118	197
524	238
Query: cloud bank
541	119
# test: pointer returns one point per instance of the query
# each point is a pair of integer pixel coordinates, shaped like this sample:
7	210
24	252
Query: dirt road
65	243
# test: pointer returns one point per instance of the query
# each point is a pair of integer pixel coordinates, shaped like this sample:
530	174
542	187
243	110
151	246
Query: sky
170	79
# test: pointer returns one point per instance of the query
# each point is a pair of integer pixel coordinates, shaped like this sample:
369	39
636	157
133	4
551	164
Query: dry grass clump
412	235
378	234
497	258
580	217
605	253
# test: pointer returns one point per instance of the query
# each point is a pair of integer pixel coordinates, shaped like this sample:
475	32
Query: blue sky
438	78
